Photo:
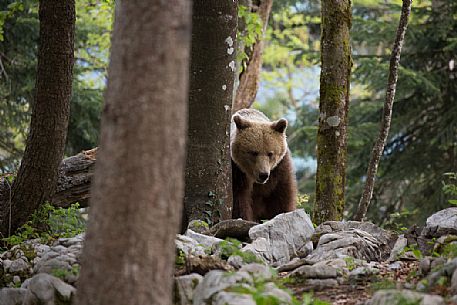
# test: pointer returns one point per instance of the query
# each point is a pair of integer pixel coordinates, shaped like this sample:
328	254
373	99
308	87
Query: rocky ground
282	261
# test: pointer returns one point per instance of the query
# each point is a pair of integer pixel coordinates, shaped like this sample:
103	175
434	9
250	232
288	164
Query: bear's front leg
246	209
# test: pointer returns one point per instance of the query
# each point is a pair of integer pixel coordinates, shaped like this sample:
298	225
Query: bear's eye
254	153
270	154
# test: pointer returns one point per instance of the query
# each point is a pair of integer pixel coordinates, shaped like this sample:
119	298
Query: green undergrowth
49	223
262	295
231	246
64	273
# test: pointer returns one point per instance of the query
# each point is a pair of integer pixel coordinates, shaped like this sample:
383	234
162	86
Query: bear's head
257	147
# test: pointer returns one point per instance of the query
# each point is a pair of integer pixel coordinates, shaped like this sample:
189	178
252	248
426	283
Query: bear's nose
263	176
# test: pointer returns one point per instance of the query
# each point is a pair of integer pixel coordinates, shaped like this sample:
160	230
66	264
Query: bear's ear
240	123
280	125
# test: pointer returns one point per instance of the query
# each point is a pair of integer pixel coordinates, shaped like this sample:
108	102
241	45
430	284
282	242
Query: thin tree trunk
208	194
36	179
334	103
139	183
380	143
250	78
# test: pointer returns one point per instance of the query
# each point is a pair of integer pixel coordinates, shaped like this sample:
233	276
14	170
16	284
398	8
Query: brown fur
258	146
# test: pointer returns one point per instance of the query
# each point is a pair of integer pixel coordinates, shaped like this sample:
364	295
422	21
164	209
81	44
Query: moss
29	252
334	92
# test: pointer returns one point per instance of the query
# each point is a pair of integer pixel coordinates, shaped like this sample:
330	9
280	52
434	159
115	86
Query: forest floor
359	292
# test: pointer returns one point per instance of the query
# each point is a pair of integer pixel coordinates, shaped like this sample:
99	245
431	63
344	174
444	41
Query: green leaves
450	186
49	223
250	33
11	9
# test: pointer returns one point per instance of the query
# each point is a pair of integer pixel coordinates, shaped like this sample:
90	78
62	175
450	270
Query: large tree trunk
250	78
138	187
333	108
36	179
208	194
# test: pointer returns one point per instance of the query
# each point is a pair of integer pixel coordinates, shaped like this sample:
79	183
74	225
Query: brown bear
264	182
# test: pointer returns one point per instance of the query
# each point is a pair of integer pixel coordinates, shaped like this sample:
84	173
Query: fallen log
75	176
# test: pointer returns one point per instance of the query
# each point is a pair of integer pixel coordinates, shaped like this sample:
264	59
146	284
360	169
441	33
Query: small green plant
259	293
180	259
64	273
442	281
414	250
49	223
402	300
231	246
450	187
303	203
383	284
397	220
309	299
350	263
450	250
214	205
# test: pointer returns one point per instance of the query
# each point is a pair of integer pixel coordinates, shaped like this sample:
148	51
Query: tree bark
36	179
380	143
138	184
208	194
250	78
333	107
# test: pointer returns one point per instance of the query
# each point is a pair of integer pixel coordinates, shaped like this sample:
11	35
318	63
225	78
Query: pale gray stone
425	265
362	272
394	266
188	245
315	272
447	270
208	242
216	281
354	242
260	248
198	226
40	249
283	237
258	271
454	282
271	289
320	284
437	262
232	298
48	255
235	261
45	289
400	297
398	248
16	279
17	266
12	296
441	223
51	265
385	237
337	263
60	249
67	242
184	288
293	264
